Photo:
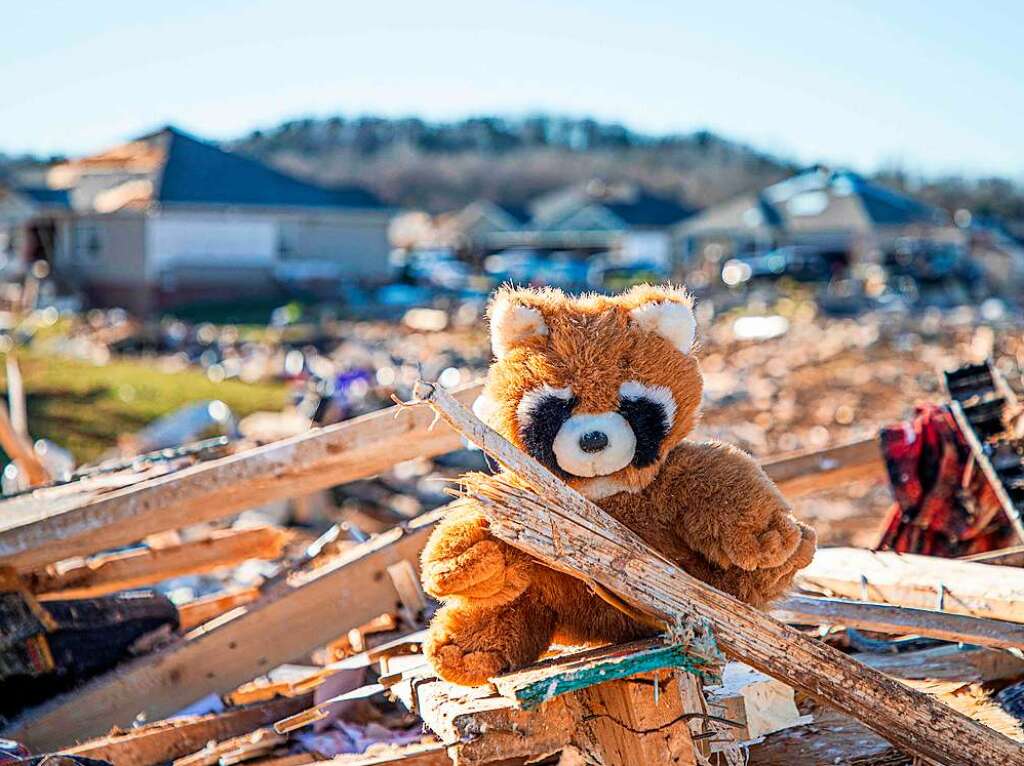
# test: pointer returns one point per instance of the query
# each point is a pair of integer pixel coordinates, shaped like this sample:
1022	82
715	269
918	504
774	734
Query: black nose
595	441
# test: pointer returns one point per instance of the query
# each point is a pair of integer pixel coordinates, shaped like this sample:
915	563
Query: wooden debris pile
314	654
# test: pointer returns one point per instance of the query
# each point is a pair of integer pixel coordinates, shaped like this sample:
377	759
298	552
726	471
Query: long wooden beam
112	572
306	612
900	620
568	532
810	472
924	582
32	535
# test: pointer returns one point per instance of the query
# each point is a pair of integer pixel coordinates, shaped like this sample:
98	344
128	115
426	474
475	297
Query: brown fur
707	506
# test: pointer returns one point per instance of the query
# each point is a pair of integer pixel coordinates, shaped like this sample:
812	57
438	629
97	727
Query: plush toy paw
782	575
805	548
479	572
771	546
460	666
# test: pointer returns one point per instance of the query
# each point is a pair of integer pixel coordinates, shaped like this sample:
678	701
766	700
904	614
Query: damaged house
834	212
169	219
586	218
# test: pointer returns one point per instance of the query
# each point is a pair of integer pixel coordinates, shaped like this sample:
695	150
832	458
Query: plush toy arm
757	587
730	511
462	560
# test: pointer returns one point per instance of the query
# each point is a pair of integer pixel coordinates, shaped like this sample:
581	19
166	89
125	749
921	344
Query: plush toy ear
513	323
671	317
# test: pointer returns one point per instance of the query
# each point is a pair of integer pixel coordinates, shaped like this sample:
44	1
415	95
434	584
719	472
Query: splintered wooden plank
900	620
924	582
531	712
35	534
481	727
566	531
826	469
195	613
560	675
308	611
130	569
163	741
631	721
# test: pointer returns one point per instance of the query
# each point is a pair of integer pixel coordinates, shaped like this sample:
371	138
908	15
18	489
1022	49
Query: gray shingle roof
197	172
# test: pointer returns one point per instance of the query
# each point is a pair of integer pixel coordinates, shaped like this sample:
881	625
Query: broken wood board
33	534
567	532
479	726
163	741
109	573
924	582
192	614
827	469
630	721
900	620
306	612
550	678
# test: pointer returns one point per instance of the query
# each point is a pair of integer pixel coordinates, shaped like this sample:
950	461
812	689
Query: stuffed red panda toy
603	391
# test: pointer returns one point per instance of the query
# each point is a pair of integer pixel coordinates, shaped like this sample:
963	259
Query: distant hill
441	166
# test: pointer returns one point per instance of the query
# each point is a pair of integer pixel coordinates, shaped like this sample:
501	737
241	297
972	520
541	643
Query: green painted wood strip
532	694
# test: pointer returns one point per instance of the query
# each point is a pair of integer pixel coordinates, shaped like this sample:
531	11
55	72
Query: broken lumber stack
621	704
626	704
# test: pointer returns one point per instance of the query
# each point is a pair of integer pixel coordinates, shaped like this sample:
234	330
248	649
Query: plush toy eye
650	411
541	413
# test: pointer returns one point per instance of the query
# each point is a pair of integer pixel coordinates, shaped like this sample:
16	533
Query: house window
88	241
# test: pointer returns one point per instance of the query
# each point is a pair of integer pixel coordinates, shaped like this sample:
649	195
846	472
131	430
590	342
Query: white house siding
107	248
104	255
194	246
352	246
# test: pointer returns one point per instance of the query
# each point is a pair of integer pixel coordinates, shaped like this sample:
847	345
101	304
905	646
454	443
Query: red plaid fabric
944	506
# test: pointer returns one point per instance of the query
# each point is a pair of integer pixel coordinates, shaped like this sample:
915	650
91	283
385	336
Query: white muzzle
594	445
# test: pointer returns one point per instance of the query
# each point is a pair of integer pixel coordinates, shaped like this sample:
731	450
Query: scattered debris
275	584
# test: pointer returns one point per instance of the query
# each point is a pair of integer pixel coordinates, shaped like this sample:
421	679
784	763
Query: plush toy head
599	389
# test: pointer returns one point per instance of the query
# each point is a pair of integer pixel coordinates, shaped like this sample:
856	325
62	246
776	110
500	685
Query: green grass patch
84	408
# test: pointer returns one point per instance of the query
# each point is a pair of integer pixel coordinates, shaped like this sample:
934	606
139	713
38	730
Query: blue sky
933	86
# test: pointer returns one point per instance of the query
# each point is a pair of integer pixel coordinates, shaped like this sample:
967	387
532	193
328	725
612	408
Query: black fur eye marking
649	422
540	423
